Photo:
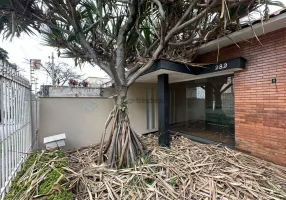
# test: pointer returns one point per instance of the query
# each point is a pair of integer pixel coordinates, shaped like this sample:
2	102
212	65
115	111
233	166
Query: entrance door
210	109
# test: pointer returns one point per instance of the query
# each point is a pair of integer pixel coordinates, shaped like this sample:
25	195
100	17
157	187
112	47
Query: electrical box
55	141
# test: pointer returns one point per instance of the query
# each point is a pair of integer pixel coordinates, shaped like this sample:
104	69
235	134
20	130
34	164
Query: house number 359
221	66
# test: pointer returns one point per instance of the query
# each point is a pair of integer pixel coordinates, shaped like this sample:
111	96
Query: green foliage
19	21
173	182
61	196
3	54
47	164
48	184
149	181
146	159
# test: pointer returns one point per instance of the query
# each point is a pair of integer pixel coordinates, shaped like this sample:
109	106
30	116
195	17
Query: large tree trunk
124	145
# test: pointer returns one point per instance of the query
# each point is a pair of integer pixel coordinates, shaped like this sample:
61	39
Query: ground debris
41	178
188	170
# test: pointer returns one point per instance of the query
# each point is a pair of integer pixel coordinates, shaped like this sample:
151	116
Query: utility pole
36	85
32	74
53	70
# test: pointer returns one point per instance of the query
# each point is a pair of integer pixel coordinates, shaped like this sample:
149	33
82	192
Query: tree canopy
117	35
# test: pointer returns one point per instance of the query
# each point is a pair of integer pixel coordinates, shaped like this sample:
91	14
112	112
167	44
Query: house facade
234	95
239	100
259	95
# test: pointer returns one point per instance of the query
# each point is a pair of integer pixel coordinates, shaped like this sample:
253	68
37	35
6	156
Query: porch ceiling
175	77
179	72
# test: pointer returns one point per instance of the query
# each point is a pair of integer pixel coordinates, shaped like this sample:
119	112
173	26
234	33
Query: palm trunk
123	146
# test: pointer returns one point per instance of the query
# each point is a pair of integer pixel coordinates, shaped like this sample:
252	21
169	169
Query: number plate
221	66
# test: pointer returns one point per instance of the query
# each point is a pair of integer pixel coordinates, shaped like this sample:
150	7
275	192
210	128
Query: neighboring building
239	101
97	82
69	91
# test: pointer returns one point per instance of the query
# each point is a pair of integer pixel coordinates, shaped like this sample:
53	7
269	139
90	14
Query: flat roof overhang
179	72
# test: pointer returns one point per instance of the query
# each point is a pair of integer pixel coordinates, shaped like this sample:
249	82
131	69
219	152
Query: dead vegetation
188	170
41	178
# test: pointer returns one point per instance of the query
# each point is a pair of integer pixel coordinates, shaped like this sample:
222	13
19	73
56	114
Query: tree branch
189	41
96	59
161	10
166	39
151	47
151	61
91	27
225	89
132	70
121	40
190	8
191	21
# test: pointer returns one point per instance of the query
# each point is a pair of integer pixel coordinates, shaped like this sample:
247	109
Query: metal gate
15	126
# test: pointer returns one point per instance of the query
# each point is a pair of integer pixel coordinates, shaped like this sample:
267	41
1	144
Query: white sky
27	47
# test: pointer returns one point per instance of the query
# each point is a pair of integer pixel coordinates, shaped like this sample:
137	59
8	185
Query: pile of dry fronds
41	177
188	170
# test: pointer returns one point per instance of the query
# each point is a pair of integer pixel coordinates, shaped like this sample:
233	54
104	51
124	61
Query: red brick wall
260	106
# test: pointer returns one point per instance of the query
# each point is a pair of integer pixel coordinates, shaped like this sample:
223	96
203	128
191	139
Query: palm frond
3	54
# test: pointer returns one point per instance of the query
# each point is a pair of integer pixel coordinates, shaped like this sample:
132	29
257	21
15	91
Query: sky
24	48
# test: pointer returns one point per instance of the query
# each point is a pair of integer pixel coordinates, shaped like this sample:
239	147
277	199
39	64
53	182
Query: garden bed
41	177
188	170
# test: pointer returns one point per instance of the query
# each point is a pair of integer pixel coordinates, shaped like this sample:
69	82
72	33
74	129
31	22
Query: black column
163	109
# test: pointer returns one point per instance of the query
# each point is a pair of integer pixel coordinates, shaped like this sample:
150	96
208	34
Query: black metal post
163	109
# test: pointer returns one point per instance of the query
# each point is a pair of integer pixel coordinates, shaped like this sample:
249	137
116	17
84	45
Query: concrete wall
180	102
66	91
138	105
137	98
35	121
82	119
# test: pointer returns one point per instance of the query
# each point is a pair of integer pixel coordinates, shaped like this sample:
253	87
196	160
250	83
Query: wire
24	51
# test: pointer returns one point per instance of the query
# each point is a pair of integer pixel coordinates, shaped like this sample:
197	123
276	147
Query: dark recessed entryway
209	110
205	111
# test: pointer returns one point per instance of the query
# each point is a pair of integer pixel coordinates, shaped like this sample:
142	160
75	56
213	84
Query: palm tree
124	38
3	54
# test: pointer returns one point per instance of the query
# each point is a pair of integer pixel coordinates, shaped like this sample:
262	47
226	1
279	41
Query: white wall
83	118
